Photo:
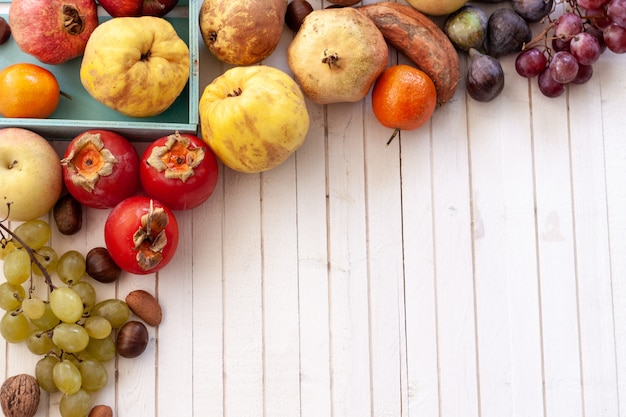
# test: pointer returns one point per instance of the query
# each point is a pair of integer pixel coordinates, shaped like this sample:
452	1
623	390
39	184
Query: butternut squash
421	40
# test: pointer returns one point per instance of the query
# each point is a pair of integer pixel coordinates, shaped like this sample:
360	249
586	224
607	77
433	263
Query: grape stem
31	255
539	38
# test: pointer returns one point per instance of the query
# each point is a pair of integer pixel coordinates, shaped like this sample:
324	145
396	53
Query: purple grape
568	25
599	35
548	86
591	4
616	11
597	18
585	48
615	38
584	74
563	67
559	44
531	62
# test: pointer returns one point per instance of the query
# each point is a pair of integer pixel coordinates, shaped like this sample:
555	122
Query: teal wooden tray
82	112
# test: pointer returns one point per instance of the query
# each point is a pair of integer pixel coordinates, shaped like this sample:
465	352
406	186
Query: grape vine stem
541	37
31	254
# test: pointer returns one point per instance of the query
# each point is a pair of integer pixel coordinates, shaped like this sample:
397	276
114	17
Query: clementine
28	90
403	98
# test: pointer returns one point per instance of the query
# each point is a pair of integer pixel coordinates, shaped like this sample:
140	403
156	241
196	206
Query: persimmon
29	91
403	98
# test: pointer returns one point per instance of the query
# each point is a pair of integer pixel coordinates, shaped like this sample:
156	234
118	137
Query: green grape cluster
72	331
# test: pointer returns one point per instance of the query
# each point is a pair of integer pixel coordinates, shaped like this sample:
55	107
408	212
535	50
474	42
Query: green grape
66	304
40	343
11	296
35	233
33	308
48	258
5	248
75	405
114	310
66	377
94	375
14	327
102	350
16	267
86	292
43	373
97	327
48	320
70	337
71	266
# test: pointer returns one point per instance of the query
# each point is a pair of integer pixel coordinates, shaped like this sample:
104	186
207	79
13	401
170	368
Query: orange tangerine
28	90
403	98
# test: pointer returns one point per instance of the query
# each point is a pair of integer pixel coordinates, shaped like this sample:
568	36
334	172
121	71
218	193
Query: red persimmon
179	170
101	168
141	235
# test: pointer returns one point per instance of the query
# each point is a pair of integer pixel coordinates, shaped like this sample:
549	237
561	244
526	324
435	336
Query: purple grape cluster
564	53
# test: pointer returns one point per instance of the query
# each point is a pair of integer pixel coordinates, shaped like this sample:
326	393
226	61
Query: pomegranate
53	31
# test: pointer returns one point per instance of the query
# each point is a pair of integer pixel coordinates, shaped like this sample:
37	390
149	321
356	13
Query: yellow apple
137	66
30	175
253	118
437	7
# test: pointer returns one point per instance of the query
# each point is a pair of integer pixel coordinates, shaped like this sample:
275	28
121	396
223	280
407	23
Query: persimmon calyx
150	239
89	160
176	158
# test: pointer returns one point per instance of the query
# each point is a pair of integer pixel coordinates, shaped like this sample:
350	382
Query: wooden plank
280	291
208	277
313	295
348	284
456	325
507	304
597	338
557	275
208	304
612	85
243	314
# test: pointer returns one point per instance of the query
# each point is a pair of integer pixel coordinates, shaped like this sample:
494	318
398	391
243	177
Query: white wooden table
475	267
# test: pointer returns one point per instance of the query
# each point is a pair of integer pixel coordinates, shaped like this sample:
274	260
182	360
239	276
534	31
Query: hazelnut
132	339
101	266
297	10
19	396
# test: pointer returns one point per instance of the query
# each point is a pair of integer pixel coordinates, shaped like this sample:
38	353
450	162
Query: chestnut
297	10
101	266
132	339
5	30
68	215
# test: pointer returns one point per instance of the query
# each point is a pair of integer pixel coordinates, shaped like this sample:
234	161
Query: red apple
53	31
134	8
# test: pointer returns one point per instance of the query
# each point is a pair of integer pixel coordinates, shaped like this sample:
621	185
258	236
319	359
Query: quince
137	66
253	118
